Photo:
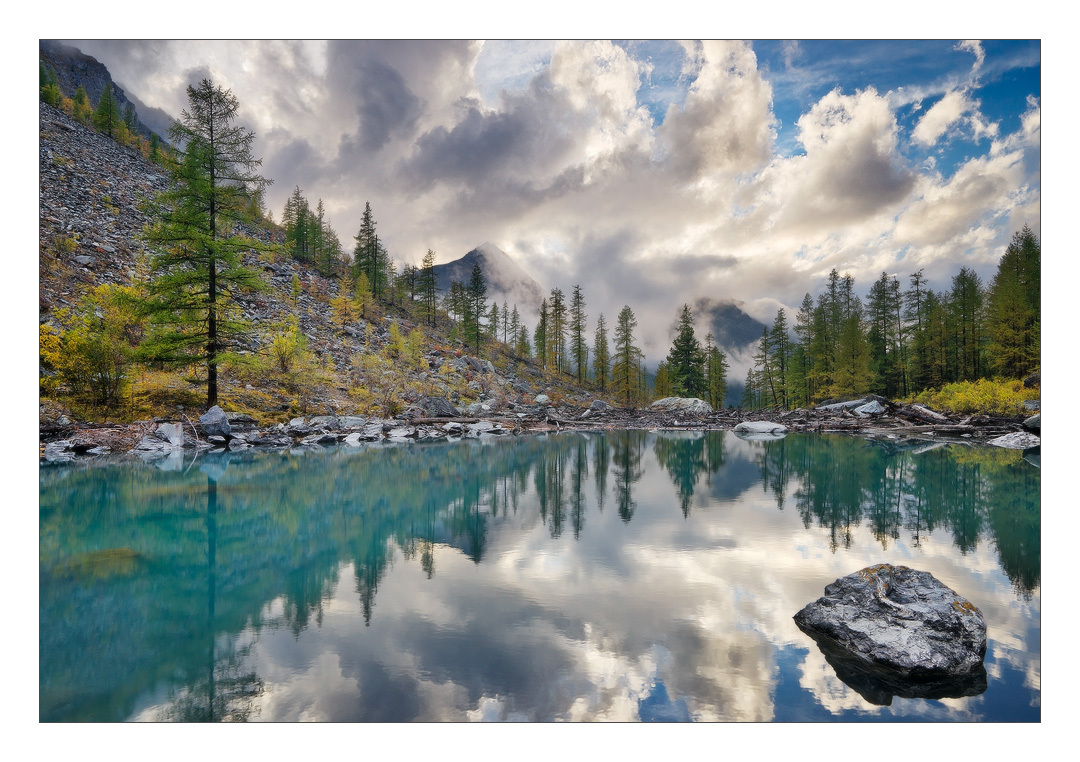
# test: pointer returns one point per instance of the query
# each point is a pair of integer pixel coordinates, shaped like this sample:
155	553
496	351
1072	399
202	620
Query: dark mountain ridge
730	326
505	279
74	69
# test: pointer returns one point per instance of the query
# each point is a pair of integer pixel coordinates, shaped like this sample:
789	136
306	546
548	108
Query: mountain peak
505	278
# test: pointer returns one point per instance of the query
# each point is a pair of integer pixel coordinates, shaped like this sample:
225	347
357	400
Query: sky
651	173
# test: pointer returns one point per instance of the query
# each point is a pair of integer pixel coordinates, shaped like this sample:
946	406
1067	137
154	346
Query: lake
629	576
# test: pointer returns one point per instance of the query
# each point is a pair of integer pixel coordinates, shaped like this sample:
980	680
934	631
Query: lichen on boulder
901	621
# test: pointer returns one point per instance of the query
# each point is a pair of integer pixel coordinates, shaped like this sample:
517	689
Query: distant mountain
504	277
731	327
156	119
73	69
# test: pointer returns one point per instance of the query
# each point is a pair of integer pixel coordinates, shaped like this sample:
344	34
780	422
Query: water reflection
485	579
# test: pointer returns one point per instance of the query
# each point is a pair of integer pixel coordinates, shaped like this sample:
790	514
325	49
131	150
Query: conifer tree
493	320
686	360
661	383
197	266
540	341
523	348
82	110
362	296
515	323
476	299
130	120
716	368
781	356
556	331
578	346
626	371
366	251
802	361
427	286
601	355
107	115
1013	308
763	370
50	89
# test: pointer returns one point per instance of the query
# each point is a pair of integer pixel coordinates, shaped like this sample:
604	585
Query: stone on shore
1033	423
684	405
901	621
1018	440
215	423
437	407
873	407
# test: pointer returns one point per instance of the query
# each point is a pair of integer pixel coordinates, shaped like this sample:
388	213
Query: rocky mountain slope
90	192
74	69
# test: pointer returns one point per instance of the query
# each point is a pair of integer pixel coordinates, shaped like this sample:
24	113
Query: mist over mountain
732	329
505	279
156	119
74	69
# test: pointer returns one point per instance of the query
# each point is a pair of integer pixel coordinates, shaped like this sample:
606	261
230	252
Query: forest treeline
902	342
183	309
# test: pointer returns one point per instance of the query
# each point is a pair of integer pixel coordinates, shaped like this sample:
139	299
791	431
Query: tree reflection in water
245	541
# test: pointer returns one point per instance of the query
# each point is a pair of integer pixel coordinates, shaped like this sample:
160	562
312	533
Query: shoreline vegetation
166	289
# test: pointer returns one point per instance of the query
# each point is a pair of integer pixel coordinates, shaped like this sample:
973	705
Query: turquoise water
620	576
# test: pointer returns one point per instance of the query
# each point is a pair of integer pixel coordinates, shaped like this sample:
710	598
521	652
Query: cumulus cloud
650	174
956	107
851	170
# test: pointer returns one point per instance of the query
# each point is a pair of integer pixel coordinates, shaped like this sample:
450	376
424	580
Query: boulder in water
900	621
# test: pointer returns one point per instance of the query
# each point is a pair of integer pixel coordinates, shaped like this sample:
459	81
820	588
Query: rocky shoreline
434	419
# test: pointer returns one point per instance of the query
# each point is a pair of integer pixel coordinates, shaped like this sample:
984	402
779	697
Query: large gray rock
59	452
437	407
684	405
541	399
1033	423
900	621
215	423
873	407
836	407
328	422
173	433
1018	440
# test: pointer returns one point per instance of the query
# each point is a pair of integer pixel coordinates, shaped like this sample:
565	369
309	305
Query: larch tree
197	267
781	356
716	368
601	355
540	340
426	281
107	114
81	108
476	299
578	346
1013	309
662	382
626	371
